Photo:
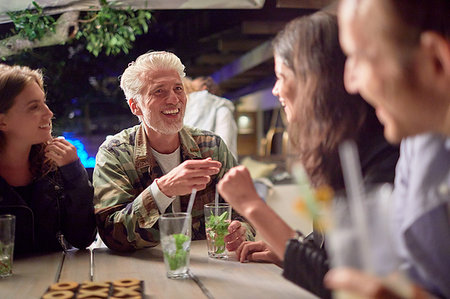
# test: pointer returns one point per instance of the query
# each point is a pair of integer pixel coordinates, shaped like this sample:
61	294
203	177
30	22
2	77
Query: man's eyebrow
153	87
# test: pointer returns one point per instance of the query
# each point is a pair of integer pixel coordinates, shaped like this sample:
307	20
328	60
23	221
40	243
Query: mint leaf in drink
178	258
217	229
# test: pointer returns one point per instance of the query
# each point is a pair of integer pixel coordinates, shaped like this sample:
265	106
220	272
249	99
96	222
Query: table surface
210	278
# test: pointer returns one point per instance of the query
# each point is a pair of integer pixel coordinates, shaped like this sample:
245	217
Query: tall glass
7	231
373	252
175	230
217	220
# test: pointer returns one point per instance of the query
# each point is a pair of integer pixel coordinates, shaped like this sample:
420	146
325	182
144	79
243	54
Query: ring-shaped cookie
64	286
59	295
127	282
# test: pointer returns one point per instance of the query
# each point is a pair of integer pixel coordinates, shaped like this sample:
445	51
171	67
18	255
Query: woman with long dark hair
42	181
309	66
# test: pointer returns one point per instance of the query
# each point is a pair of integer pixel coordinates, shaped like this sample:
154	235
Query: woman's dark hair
13	80
325	114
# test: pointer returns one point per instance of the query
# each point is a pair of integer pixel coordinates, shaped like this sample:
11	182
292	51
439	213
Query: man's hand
257	252
188	175
237	188
61	152
368	286
236	235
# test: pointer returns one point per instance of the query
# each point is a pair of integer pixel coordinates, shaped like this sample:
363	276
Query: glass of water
7	232
175	230
217	220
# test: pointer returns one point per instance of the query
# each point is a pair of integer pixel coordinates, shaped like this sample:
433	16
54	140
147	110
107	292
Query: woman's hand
237	188
257	252
61	152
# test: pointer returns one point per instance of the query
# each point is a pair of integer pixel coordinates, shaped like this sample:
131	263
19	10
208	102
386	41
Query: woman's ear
134	106
2	121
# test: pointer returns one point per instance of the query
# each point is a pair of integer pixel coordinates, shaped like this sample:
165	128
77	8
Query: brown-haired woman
309	66
42	181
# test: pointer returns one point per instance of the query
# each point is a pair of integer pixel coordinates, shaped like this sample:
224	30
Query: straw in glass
189	210
354	185
216	202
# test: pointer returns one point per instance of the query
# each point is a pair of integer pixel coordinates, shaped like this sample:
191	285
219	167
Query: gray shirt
422	199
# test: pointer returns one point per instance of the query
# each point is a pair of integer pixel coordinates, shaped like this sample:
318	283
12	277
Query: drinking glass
7	231
217	220
175	230
370	248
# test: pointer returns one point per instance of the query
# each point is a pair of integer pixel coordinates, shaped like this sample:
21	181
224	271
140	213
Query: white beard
164	128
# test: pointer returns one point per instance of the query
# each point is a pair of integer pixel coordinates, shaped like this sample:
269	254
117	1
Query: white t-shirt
167	162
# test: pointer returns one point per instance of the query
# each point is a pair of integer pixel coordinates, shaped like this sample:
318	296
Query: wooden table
210	278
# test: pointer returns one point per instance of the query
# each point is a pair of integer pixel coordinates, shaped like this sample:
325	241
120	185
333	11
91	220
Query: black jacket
59	203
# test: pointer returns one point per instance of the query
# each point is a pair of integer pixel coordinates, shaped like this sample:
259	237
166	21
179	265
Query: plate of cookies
123	288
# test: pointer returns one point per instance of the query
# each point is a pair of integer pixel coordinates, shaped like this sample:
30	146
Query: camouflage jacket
127	215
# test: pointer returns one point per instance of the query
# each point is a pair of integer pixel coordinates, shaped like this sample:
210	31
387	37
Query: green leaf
179	258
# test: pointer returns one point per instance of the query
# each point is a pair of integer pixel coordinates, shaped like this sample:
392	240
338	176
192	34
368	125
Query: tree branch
15	44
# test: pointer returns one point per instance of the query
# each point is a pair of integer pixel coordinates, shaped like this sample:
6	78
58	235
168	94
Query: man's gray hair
132	80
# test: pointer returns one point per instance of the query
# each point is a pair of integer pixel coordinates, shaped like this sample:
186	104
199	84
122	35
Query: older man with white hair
151	168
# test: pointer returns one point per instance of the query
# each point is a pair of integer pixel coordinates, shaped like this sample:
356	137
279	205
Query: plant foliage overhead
32	23
112	30
108	29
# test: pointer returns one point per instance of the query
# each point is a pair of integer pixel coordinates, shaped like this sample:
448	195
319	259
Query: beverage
6	258
176	249
175	229
217	220
7	233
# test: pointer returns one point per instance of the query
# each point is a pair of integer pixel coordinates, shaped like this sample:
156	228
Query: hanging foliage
108	29
32	23
112	30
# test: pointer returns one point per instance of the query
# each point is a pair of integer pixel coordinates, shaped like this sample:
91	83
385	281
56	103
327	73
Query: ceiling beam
238	45
262	27
216	59
246	62
308	4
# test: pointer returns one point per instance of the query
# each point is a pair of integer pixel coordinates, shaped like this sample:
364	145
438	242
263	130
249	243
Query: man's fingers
205	163
239	232
233	245
198	187
203	171
200	180
234	225
357	282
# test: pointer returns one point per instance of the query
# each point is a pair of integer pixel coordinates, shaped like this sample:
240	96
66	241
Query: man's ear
437	48
134	106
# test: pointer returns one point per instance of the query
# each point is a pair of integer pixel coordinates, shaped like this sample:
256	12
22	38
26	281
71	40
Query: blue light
88	162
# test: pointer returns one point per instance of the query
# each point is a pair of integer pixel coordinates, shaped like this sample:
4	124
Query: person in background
42	181
399	61
321	114
206	110
149	169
